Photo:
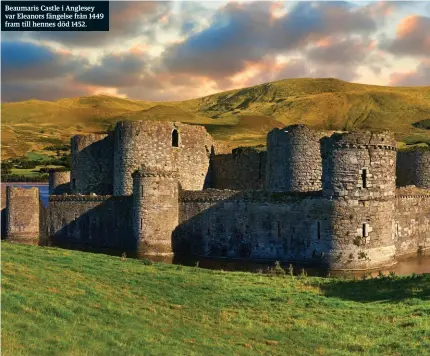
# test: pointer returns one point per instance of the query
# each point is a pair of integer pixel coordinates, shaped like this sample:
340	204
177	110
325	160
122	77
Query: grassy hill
62	302
241	116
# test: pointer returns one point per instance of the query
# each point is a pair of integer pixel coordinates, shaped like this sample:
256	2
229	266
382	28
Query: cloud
116	70
42	90
29	61
421	76
127	19
340	51
247	32
412	37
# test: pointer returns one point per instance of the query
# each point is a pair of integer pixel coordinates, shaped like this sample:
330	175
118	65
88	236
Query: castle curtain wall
96	221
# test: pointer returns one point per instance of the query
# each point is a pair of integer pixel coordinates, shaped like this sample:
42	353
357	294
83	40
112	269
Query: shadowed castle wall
3	211
92	164
412	221
243	169
293	159
150	143
422	168
413	168
22	214
97	221
255	225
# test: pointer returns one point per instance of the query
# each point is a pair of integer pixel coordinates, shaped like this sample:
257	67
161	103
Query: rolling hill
241	116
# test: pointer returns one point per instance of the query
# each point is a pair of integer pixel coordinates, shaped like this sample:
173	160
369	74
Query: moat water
405	266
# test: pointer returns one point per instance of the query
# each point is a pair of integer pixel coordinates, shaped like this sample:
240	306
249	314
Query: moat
346	201
418	264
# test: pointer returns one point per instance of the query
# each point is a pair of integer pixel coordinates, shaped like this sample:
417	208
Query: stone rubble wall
243	169
92	164
22	214
412	220
59	183
345	158
96	221
293	159
155	204
413	168
150	143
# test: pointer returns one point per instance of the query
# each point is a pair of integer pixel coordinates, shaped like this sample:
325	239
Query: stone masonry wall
92	164
405	168
96	221
3	211
305	227
413	168
155	203
150	143
359	165
422	168
243	169
412	221
293	159
254	225
23	214
59	183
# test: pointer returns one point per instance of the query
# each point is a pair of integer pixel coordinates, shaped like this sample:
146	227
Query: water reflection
417	264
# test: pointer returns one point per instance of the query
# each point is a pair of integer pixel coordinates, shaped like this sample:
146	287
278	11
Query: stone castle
345	201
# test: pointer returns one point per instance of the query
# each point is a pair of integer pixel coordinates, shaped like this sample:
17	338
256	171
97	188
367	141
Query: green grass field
62	302
243	116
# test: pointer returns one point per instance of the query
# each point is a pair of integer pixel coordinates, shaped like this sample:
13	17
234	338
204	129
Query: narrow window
175	138
119	136
364	177
141	191
74	183
319	230
365	232
141	224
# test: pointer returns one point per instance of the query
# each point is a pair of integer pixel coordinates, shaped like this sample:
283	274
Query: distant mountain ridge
241	116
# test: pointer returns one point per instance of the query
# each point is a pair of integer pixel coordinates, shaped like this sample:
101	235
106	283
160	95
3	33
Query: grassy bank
60	302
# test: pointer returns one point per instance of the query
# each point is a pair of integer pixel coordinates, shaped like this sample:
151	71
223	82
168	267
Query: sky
180	50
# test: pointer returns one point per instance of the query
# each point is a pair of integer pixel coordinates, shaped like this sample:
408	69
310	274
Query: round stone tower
136	143
422	168
164	145
156	214
59	182
293	159
359	174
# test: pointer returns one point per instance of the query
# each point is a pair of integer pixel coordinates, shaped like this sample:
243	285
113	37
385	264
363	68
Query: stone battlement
162	187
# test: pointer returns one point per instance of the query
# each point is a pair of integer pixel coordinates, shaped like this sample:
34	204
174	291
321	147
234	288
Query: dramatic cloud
412	37
127	19
246	32
42	90
421	76
29	61
115	70
341	51
158	50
